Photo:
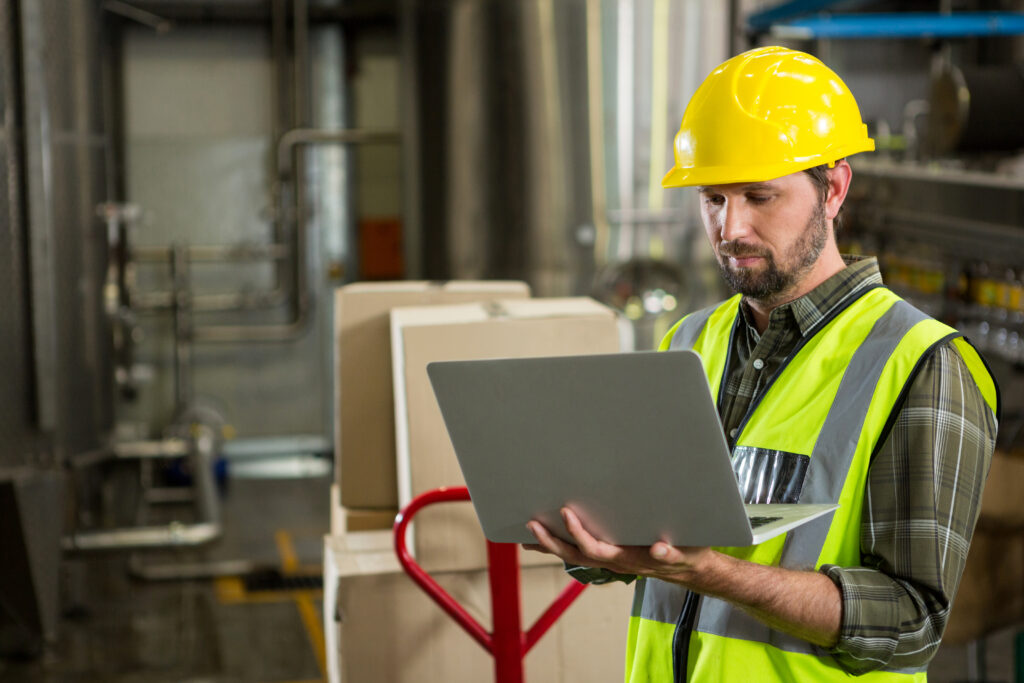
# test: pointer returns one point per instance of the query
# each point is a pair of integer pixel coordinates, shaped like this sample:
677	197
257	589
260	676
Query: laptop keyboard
761	521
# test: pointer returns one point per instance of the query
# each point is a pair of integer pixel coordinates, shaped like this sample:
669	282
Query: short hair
819	178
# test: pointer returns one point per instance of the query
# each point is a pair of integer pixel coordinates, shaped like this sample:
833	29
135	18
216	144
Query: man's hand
803	603
660	560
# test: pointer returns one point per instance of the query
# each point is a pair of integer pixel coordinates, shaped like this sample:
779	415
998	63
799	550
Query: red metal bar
423	579
551	614
507	637
507	644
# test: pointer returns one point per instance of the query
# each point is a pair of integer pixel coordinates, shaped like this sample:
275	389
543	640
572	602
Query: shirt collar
811	308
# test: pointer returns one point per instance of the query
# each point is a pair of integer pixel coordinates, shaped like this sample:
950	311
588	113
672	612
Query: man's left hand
661	560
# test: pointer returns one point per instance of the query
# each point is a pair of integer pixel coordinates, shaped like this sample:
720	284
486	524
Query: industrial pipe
175	534
287	167
209	303
216	253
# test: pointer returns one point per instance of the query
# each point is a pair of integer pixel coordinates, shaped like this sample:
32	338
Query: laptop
631	442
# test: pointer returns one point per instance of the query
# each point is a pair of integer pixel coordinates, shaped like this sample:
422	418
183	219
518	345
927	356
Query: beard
770	283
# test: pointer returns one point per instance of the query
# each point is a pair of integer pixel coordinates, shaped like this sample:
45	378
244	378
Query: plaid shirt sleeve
921	503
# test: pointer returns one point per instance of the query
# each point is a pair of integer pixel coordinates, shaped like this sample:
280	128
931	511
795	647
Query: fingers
553	545
587	544
535	547
663	552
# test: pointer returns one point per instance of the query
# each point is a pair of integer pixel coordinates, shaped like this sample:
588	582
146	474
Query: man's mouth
745	261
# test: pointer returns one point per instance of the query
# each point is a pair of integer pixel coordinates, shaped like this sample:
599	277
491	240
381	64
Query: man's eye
715	199
758	198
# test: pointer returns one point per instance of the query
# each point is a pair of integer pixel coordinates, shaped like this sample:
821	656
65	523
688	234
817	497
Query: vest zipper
681	637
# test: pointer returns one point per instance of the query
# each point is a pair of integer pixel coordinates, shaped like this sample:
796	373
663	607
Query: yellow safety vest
829	405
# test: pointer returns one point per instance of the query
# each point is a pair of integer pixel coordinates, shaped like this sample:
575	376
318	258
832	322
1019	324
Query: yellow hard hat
764	114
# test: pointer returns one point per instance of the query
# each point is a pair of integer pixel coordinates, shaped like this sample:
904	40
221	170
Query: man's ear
839	178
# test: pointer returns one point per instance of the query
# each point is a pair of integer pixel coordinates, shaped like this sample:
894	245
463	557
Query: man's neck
830	263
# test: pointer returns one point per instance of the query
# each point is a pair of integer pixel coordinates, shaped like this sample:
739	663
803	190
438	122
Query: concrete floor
123	630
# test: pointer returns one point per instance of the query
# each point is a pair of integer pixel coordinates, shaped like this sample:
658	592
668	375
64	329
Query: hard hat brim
724	175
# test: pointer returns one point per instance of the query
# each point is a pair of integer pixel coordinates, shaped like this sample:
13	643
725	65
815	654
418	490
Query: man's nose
734	222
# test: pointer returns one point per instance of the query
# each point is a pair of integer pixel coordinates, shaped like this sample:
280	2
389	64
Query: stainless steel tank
496	138
536	134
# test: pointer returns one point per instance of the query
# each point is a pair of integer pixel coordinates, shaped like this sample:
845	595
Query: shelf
937	174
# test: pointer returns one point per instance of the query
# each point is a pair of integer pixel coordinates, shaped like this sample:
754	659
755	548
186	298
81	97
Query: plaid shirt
923	492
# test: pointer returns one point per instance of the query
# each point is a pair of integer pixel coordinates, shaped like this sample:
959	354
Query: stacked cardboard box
364	404
379	626
448	537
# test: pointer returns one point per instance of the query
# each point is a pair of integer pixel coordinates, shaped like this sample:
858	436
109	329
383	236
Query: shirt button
758	363
732	432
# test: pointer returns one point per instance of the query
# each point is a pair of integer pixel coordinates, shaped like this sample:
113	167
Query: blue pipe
903	25
765	19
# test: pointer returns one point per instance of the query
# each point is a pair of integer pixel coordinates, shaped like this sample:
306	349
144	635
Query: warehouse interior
209	421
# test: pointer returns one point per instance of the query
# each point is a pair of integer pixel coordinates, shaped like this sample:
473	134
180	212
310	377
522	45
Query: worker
831	389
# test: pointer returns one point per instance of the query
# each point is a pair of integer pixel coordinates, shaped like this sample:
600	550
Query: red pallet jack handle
508	643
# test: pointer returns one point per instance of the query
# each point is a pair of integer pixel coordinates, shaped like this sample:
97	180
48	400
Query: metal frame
507	643
207	528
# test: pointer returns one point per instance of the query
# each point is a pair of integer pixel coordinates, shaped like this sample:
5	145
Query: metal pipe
182	312
165	448
141	16
308	136
287	165
300	77
175	534
279	51
212	303
283	89
186	571
216	253
357	12
168	495
595	108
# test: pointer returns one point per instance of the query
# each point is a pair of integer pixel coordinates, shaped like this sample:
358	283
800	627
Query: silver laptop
631	442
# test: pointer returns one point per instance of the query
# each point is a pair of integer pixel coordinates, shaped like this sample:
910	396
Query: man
830	389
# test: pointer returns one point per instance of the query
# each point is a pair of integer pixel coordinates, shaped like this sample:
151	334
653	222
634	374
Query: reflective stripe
718	618
831	403
830	462
639	590
769	476
837	442
684	334
660	601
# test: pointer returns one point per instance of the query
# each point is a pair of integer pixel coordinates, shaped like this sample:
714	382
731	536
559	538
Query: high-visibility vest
828	407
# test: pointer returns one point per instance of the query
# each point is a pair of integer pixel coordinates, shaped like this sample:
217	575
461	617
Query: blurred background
187	182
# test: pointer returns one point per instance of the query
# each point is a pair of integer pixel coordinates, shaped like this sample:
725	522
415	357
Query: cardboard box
345	520
991	592
379	626
364	429
448	537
